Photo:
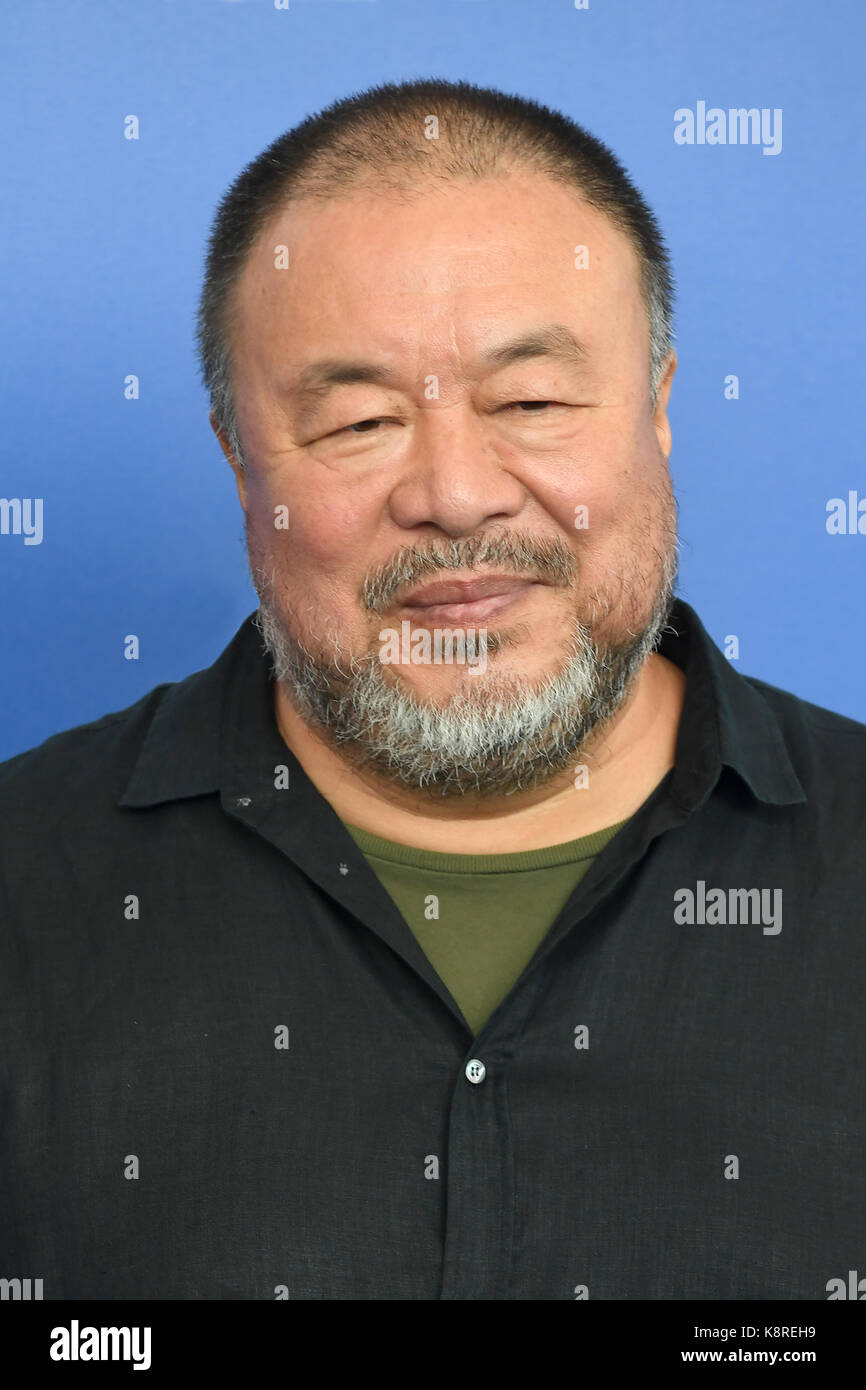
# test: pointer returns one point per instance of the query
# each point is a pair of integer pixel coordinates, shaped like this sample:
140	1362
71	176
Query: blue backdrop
103	244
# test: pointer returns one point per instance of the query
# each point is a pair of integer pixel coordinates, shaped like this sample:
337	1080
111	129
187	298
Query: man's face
454	458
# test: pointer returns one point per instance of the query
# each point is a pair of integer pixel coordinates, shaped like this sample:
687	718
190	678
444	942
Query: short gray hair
376	139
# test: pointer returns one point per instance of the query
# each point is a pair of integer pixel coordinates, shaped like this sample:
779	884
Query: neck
625	761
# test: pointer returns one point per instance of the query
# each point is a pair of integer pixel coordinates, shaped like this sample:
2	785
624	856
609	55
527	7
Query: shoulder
101	752
810	722
827	751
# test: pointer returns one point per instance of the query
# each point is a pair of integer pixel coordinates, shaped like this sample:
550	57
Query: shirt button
475	1071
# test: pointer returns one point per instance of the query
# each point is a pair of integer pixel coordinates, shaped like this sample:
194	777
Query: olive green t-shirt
479	918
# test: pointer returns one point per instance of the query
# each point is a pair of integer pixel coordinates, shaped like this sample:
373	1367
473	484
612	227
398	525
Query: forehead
448	262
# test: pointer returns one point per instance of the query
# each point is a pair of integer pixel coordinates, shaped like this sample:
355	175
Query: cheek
602	485
585	497
310	530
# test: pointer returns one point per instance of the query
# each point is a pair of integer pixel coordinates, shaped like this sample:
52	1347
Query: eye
370	425
361	425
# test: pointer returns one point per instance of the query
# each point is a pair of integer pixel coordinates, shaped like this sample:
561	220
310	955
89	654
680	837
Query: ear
240	475
660	414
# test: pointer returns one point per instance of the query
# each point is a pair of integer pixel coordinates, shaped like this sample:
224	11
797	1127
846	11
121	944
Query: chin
439	684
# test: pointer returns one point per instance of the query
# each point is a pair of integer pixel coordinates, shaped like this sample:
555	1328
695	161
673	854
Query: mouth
465	602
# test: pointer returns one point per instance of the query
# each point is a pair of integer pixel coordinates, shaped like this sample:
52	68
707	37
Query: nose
453	477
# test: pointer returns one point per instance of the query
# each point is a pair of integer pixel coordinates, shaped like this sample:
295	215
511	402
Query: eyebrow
553	340
319	378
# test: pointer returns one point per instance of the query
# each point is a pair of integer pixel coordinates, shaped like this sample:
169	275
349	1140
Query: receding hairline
380	139
412	189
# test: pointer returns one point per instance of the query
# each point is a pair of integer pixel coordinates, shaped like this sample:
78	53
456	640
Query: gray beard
496	736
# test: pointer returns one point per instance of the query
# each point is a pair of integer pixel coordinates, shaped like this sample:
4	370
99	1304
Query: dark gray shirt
229	1070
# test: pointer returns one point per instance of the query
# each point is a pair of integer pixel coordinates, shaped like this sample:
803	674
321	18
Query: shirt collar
725	722
216	731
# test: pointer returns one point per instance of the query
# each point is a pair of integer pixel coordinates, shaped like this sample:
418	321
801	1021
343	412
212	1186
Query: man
506	944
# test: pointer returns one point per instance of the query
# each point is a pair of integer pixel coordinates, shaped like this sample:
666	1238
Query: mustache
546	559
